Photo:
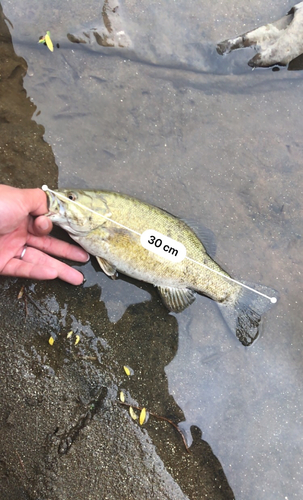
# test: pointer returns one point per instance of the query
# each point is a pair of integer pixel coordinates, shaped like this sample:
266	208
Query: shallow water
206	138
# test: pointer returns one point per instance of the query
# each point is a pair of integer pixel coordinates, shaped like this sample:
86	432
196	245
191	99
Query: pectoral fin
107	268
176	299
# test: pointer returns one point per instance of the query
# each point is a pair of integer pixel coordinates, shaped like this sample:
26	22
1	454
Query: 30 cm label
163	245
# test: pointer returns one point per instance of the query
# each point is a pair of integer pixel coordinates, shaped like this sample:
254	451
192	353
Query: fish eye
72	196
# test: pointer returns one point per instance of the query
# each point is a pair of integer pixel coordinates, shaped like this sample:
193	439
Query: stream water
158	114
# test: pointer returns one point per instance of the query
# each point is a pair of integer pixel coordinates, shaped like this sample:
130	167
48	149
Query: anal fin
107	268
176	299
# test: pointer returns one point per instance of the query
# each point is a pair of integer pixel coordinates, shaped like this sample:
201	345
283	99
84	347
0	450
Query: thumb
42	225
34	200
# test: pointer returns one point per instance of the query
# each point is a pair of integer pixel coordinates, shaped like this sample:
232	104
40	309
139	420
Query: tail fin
244	316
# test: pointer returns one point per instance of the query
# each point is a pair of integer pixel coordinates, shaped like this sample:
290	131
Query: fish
110	226
279	43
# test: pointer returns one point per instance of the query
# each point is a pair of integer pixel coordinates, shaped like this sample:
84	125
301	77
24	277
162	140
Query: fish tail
243	316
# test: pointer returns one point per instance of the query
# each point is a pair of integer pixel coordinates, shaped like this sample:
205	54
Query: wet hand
25	247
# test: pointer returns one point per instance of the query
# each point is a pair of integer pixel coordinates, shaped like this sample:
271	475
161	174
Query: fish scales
125	251
117	246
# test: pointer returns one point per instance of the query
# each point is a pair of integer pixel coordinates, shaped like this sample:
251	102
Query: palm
18	228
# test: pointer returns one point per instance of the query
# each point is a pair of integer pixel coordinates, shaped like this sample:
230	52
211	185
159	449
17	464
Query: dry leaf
132	413
142	417
128	370
48	41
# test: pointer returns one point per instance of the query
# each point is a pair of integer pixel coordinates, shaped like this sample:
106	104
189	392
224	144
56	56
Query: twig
21	295
159	417
26	309
36	305
22	464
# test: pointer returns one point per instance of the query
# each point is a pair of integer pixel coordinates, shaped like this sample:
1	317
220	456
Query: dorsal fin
204	234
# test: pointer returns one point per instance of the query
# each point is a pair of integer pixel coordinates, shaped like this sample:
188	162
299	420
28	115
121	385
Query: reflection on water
116	295
203	137
254	395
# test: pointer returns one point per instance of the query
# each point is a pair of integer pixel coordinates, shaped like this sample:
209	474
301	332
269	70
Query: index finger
58	248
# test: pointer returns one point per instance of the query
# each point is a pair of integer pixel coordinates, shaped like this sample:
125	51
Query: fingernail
44	225
84	279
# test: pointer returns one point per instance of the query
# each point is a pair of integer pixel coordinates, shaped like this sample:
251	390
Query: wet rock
77	441
279	43
110	32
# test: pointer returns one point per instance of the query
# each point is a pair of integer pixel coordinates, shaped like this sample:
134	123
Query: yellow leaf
48	41
122	396
51	340
69	334
142	416
128	370
132	413
77	339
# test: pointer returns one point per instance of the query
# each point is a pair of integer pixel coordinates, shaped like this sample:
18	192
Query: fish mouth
56	209
51	202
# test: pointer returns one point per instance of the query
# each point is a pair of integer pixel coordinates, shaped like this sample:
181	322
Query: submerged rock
279	43
109	33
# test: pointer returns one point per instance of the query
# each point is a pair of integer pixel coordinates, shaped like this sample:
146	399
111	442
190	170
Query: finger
10	248
45	262
21	269
58	248
37	265
41	226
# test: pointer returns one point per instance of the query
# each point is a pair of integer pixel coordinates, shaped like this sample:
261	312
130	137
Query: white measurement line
45	188
273	300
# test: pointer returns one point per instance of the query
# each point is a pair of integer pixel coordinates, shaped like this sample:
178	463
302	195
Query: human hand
24	240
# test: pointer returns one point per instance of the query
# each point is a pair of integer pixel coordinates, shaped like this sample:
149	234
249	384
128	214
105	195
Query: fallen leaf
128	371
142	417
133	415
48	41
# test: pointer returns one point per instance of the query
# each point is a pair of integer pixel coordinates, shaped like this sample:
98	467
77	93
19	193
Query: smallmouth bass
109	226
